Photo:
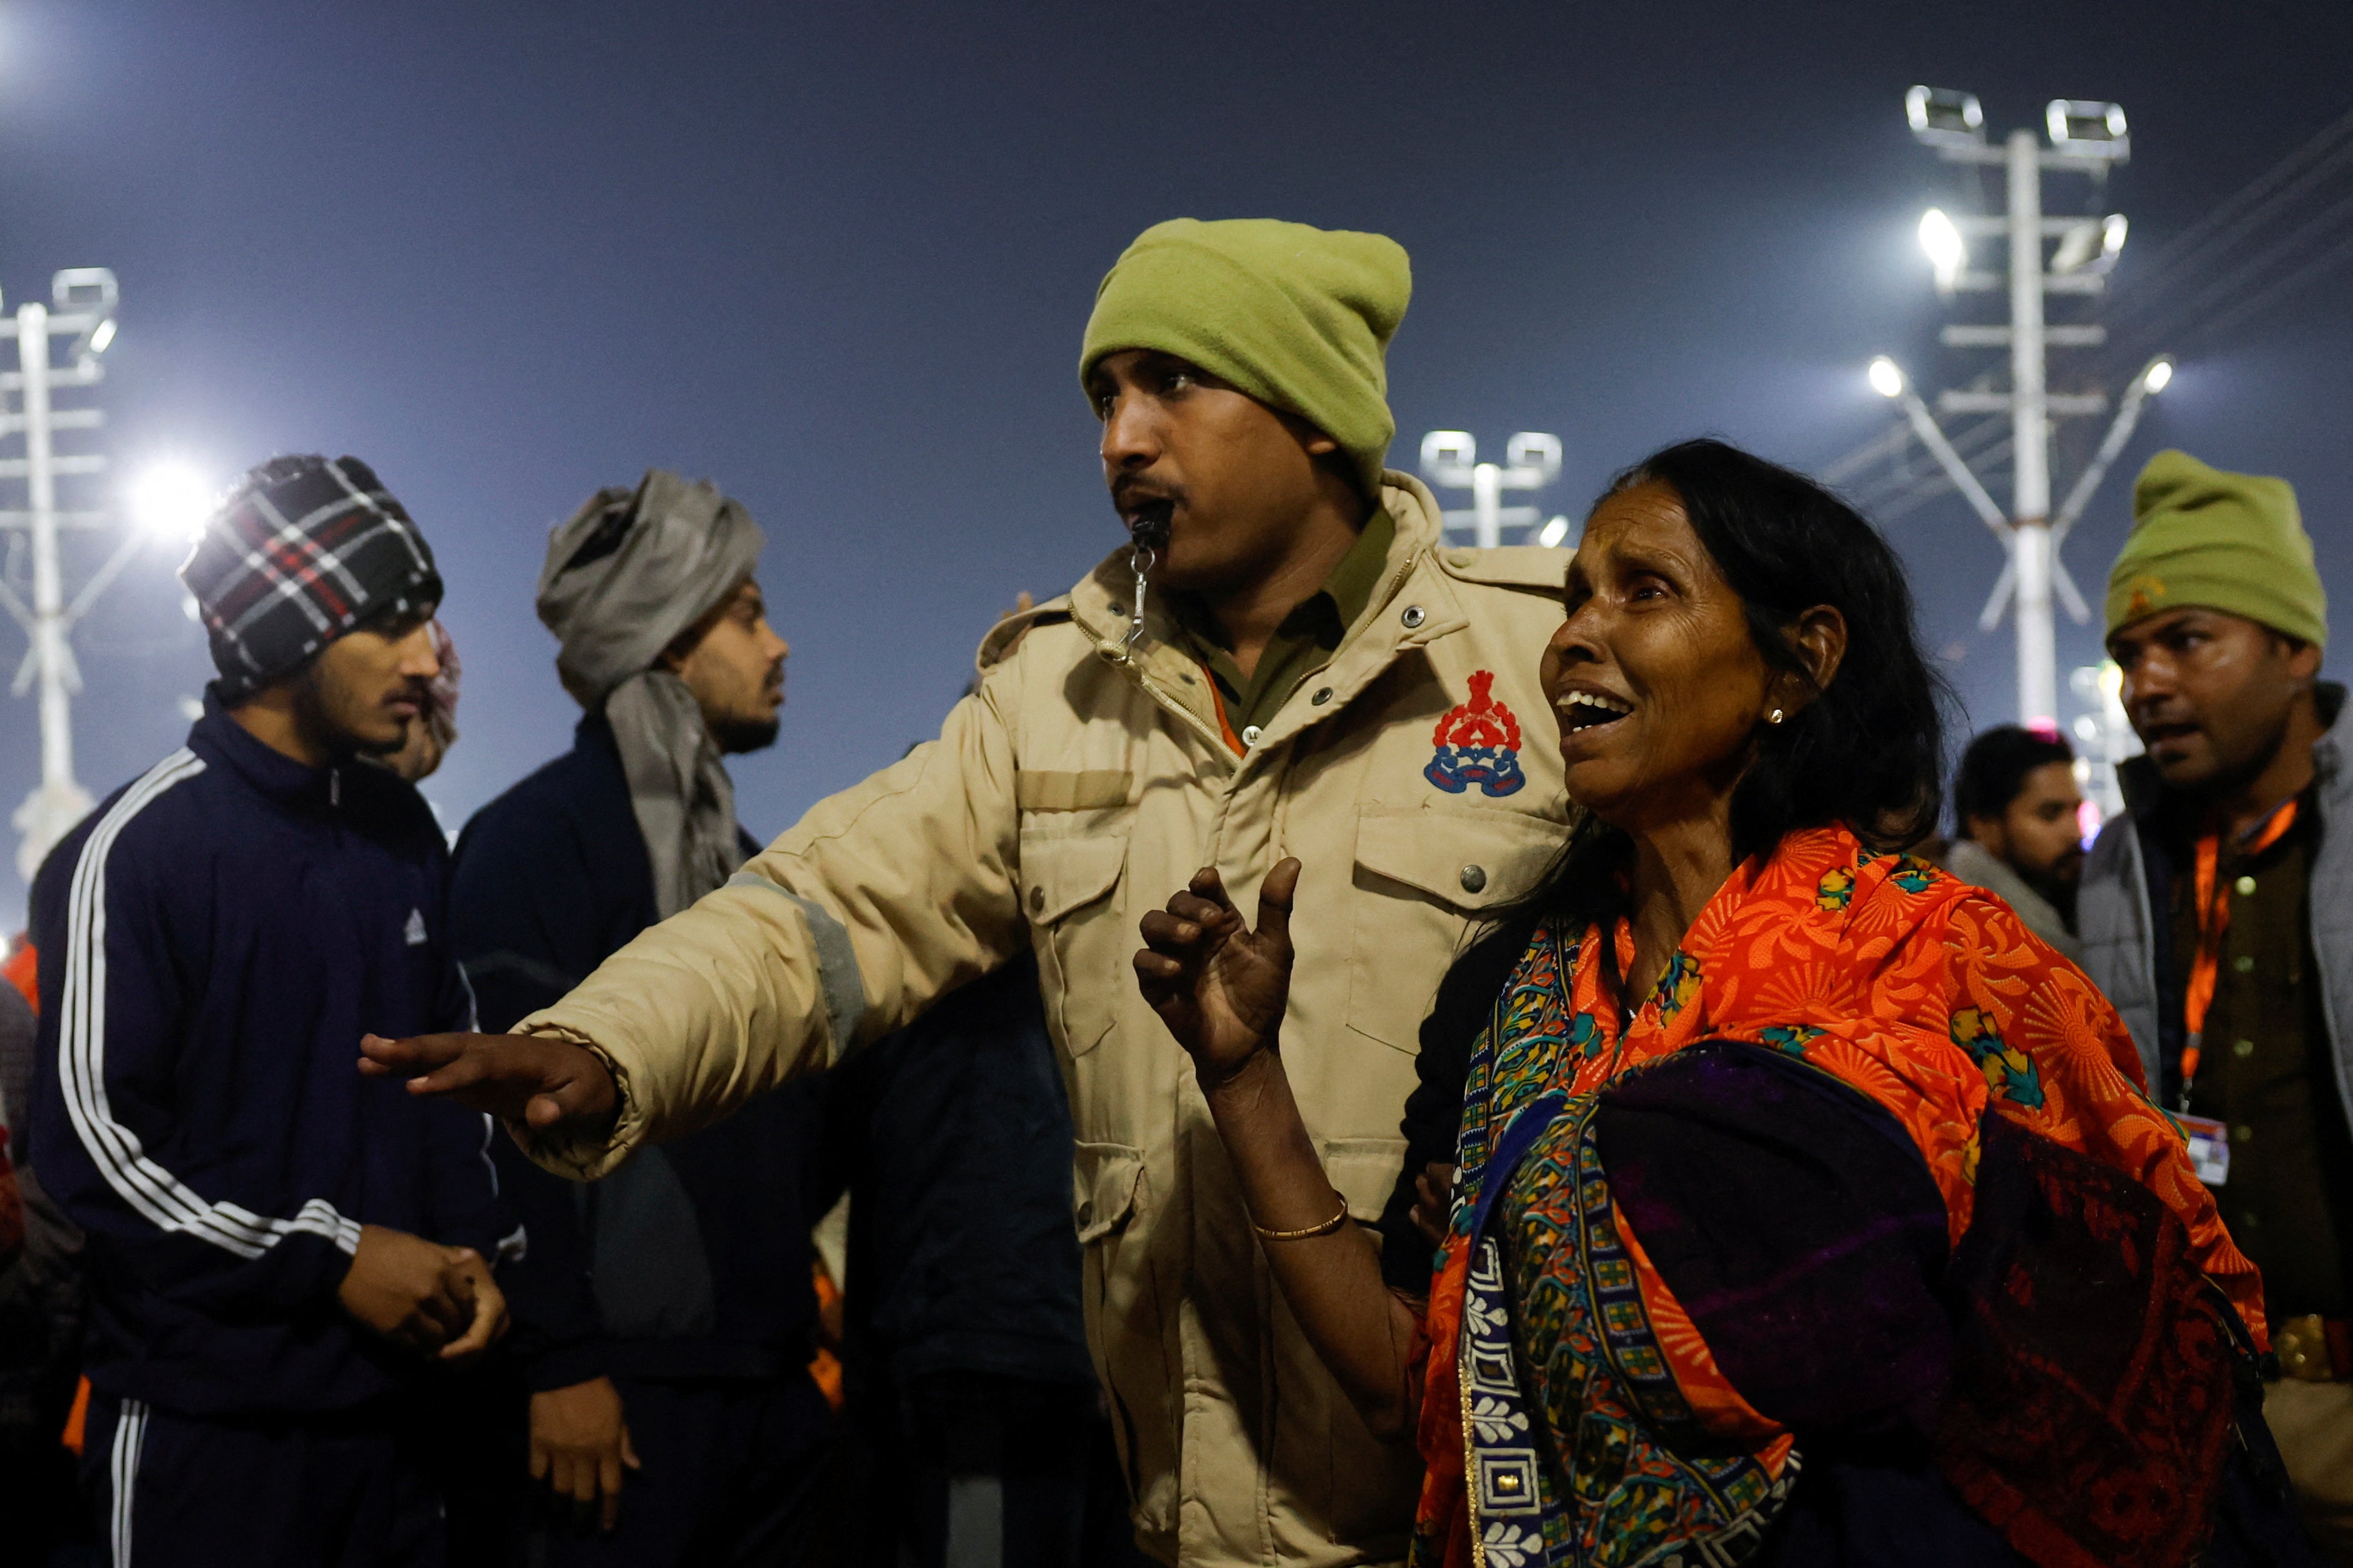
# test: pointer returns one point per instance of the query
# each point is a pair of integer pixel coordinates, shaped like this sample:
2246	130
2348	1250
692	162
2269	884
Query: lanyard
2213	910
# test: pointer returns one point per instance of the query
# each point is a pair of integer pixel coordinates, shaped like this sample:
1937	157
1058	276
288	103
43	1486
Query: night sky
836	258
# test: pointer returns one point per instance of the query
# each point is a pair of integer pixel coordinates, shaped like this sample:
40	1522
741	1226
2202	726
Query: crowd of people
1347	1050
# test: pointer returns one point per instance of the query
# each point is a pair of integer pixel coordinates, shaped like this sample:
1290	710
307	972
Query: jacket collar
224	743
1100	606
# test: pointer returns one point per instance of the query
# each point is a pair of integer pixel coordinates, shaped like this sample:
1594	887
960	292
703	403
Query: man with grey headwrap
665	1317
627	580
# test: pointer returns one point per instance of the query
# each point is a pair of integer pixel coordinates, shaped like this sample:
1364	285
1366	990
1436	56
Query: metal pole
52	809
2037	659
49	585
1487	503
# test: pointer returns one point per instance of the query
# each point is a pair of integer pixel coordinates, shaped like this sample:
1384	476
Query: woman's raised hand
1218	986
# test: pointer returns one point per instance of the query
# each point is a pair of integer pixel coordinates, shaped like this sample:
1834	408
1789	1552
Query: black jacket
692	1260
954	1138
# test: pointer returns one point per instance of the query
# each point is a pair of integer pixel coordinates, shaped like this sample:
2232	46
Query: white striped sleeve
153	1192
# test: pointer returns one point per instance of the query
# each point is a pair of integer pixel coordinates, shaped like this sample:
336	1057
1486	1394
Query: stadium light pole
1449	459
81	309
2086	138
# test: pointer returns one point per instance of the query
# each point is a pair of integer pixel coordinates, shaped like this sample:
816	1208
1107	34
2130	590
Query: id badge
2210	1148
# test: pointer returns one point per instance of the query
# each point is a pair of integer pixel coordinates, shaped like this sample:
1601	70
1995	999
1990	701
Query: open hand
580	1446
548	1085
1218	986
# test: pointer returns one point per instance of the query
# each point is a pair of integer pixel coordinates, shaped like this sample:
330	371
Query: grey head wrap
631	570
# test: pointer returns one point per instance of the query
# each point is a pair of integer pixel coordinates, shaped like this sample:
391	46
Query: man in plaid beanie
301	551
278	1250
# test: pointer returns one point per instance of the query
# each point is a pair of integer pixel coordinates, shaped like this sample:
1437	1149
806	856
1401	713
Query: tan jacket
1075	790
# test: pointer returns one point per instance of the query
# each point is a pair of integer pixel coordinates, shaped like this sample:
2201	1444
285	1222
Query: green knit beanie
1298	318
2223	541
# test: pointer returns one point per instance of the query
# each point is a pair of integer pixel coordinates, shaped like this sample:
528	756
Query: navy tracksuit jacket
215	939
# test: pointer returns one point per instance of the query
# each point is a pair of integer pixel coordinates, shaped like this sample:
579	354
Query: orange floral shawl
1927	995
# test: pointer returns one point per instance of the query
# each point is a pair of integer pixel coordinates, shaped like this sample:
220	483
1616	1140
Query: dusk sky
836	258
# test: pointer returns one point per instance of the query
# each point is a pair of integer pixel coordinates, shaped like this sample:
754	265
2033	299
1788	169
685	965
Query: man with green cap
1288	661
2217	914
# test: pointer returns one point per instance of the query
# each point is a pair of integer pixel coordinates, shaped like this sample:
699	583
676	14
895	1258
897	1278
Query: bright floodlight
170	501
2083	128
1553	533
2112	229
1940	237
1943	117
102	336
1885	379
2159	373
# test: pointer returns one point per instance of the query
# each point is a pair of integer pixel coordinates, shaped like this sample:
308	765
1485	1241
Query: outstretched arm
1222	988
882	898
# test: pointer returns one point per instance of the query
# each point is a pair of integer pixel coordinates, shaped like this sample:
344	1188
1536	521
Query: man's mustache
1129	492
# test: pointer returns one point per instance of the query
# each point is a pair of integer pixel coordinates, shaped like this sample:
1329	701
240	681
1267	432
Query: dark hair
1994	769
1868	750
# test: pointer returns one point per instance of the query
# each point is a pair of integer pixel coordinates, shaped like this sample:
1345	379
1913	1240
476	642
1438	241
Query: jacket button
1413	617
1251	732
1475	879
2245	886
1037	899
2243	1050
1464	559
2244	964
1322	697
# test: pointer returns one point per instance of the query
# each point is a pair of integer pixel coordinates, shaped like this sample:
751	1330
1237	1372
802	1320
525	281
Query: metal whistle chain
1147	538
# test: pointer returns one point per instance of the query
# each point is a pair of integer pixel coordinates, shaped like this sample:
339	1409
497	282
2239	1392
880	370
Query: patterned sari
1573	1413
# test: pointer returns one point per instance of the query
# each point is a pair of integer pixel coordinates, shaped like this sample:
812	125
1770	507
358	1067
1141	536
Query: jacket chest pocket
1068	880
1423	878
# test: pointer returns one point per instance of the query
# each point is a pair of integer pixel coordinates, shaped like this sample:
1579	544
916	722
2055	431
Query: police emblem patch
1478	745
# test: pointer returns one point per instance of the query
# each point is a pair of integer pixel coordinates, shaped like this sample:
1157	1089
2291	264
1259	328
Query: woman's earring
1773	717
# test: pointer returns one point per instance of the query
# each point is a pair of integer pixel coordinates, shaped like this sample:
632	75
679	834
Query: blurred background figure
41	1301
2018	810
664	1314
2214	915
974	1429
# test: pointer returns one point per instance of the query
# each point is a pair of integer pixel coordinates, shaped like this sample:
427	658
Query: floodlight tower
1451	459
81	309
2086	138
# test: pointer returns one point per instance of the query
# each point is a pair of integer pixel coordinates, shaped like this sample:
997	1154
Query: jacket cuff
583	1158
311	1268
563	1365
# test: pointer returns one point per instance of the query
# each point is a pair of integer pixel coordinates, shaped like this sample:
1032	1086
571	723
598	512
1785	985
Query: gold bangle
1326	1228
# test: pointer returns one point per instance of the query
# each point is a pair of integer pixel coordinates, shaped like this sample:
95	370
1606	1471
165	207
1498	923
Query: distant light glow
1940	237
2112	680
102	337
2112	229
170	501
2087	821
2156	378
1885	379
2088	730
1553	533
